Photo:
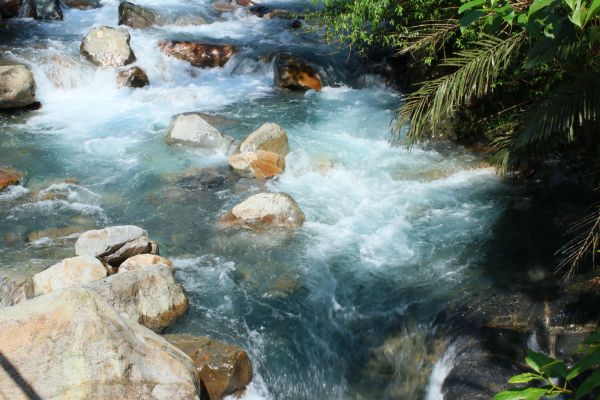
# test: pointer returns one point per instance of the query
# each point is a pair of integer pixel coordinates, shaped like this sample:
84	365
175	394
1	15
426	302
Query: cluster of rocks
97	315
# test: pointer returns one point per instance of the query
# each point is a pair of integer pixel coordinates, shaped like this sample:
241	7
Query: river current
345	308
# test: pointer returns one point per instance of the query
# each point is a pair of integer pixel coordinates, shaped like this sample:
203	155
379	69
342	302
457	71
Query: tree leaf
556	369
470	17
584	364
521	394
537	360
592	12
591	383
470	4
523	378
537	5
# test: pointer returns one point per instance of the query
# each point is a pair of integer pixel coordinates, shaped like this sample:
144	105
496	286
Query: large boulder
269	137
114	244
134	77
81	4
295	74
69	272
193	129
17	86
9	8
47	10
8	177
107	47
266	210
70	344
257	164
149	296
137	16
142	261
223	369
201	55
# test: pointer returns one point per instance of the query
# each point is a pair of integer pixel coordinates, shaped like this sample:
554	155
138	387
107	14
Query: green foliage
554	378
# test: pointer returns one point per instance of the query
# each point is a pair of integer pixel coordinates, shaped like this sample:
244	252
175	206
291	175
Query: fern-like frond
475	71
427	35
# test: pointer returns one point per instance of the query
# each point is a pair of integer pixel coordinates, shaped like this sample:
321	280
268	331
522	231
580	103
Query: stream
347	306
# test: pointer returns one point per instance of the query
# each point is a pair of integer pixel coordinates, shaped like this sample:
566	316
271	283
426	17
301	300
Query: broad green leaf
470	17
591	383
521	394
523	378
556	369
522	19
507	13
571	3
584	364
537	360
470	4
577	17
537	5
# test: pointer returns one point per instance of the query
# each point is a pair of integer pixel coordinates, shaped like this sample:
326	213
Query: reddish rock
295	74
258	164
202	55
9	176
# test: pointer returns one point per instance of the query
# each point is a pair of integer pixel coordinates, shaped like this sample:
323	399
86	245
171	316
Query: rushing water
345	307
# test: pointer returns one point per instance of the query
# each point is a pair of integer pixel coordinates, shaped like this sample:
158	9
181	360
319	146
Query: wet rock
17	86
278	13
68	272
14	292
142	261
222	368
113	244
8	177
282	287
266	210
269	137
47	10
81	4
204	179
71	344
137	16
201	55
183	20
149	296
245	3
134	77
193	129
107	47
63	71
55	233
9	8
295	74
223	7
258	164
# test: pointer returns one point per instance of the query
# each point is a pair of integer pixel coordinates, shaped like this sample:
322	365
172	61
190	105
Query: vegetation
521	76
555	378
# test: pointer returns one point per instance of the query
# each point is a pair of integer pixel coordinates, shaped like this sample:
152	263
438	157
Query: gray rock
104	242
69	272
134	77
107	47
192	129
17	86
41	9
131	248
137	16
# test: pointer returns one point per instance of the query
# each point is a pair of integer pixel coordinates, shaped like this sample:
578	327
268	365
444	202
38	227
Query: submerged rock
68	272
81	4
142	261
149	296
8	177
201	55
257	164
269	137
17	86
193	129
223	7
41	9
71	344
136	16
223	369
107	47
114	244
295	74
266	210
134	77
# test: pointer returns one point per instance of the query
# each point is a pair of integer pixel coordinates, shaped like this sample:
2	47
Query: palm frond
427	35
474	75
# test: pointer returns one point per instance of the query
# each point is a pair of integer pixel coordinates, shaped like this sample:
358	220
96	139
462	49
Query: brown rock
224	369
201	55
294	74
9	176
9	8
134	77
142	261
268	137
137	16
223	7
81	4
245	3
259	164
265	210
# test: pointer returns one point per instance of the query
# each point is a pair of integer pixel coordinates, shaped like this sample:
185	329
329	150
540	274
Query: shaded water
345	307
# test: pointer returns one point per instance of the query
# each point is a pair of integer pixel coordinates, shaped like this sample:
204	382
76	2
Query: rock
81	4
8	177
113	244
269	137
47	10
193	129
63	71
137	16
222	368
134	77
68	272
54	233
294	74
266	209
183	20
204	179
17	86
223	7
142	261
9	8
201	55
258	164
149	296
71	344
245	3
14	292
278	13
107	47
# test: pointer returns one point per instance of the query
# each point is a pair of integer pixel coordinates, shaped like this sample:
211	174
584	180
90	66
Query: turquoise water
345	308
